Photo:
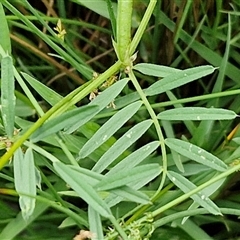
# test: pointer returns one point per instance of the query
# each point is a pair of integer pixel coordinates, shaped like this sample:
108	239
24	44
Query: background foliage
154	154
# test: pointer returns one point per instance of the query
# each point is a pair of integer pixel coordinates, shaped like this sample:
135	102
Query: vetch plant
85	150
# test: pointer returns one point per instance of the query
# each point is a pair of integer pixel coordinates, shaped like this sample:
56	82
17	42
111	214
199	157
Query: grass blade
16	225
197	114
196	153
206	53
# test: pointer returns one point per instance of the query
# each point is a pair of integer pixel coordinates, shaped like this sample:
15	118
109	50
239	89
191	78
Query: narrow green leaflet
112	199
5	41
25	181
208	191
82	188
45	92
135	158
18	159
7	95
95	224
27	204
103	100
186	186
121	145
155	70
38	178
126	177
91	177
196	153
109	128
197	114
178	79
67	222
123	101
127	193
112	18
108	95
80	115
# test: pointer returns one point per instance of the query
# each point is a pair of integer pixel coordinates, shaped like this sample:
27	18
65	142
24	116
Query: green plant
91	152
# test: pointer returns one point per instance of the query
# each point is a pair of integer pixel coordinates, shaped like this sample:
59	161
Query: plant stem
124	22
69	100
138	35
158	129
189	194
119	228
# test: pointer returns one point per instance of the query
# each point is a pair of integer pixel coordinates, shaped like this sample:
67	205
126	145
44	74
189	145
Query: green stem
182	20
69	100
158	130
142	209
59	138
41	151
194	191
53	204
138	35
51	187
124	23
190	212
119	228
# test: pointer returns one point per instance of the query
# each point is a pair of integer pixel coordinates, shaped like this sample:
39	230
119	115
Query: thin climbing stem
157	126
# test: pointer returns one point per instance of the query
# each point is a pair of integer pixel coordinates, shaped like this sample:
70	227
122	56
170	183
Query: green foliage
148	149
7	95
25	181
